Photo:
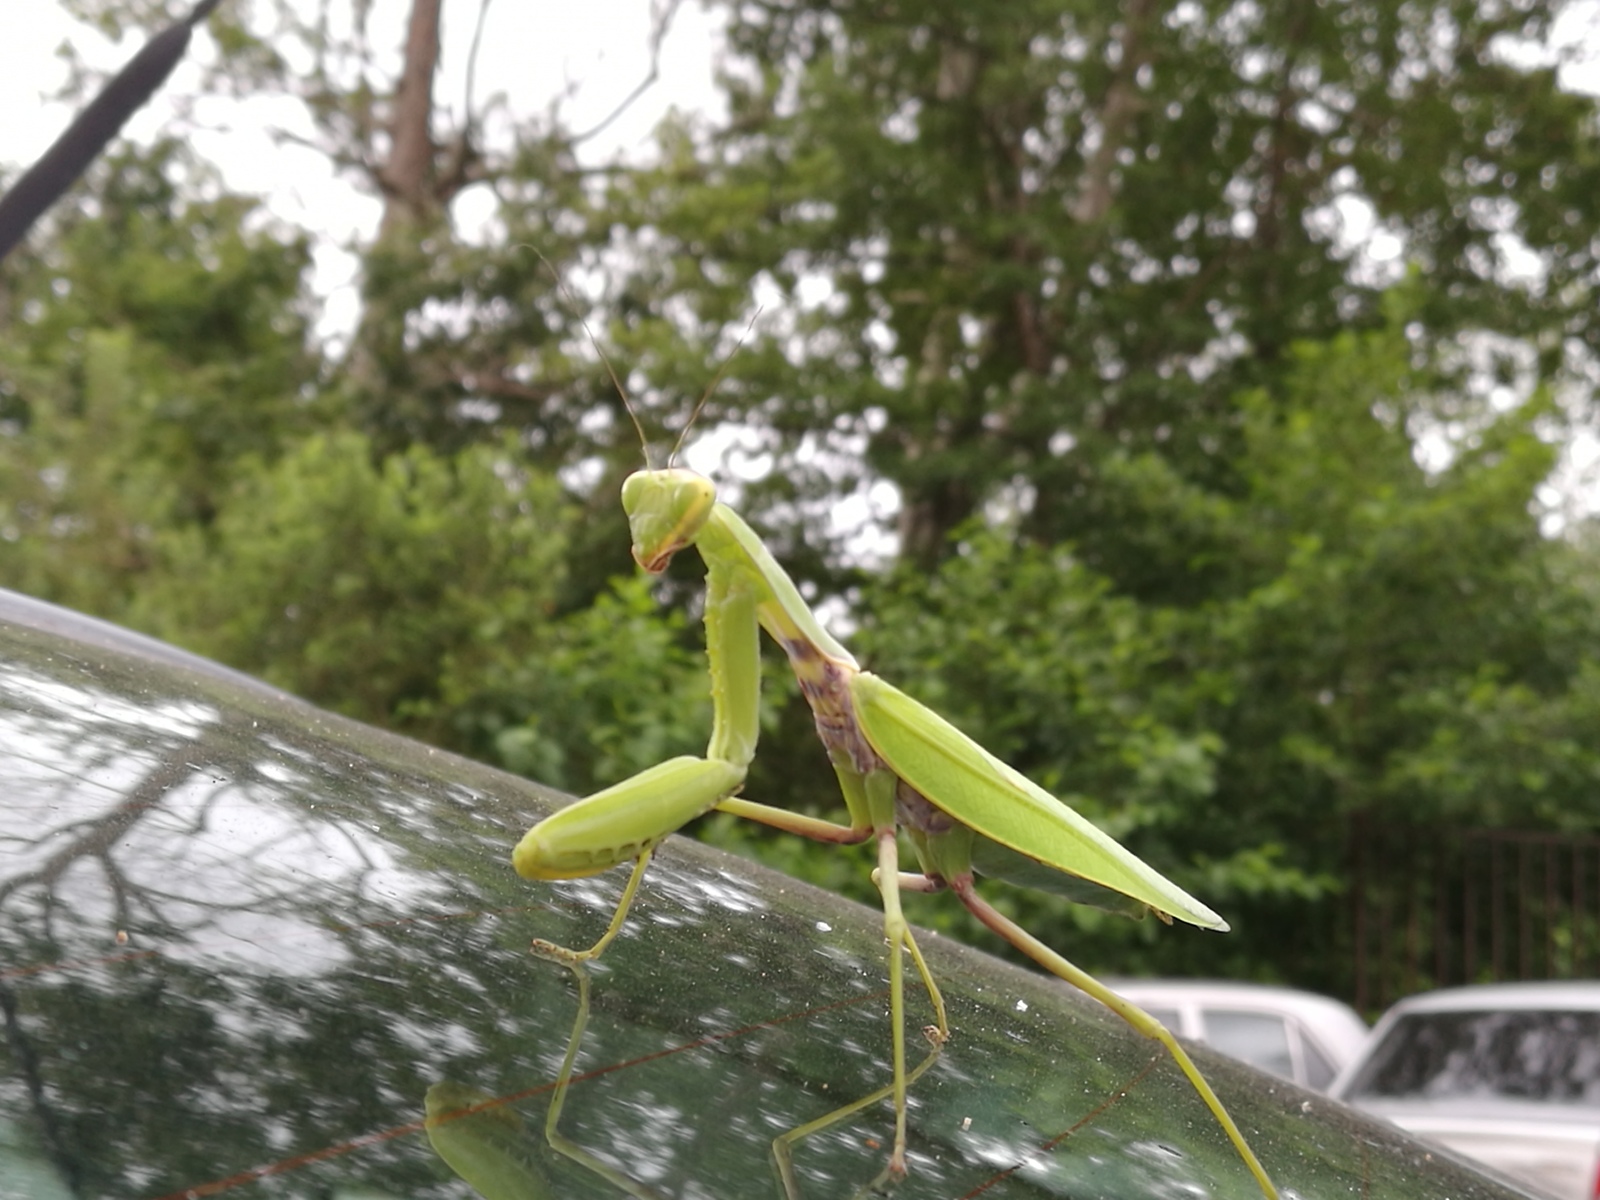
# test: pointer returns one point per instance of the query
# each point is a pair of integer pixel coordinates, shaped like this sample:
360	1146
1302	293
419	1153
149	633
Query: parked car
1505	1074
1295	1035
246	946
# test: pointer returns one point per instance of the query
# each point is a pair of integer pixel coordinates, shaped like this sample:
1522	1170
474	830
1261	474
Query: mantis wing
994	861
962	779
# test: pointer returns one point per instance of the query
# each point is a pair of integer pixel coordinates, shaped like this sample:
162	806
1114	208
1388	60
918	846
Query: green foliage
1365	587
372	587
1387	641
1072	278
1059	235
614	688
152	344
1501	754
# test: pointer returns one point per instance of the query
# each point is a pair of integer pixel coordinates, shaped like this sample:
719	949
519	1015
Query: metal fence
1431	908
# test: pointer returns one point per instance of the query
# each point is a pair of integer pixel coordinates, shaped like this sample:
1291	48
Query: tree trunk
407	178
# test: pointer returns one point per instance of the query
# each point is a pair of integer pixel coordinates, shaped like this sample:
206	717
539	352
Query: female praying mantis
899	764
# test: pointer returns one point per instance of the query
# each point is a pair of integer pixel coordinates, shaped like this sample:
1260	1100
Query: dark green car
244	940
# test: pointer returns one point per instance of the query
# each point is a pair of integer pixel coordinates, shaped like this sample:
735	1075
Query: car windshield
1552	1057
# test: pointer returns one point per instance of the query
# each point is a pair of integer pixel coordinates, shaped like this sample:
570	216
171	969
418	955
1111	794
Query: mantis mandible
900	766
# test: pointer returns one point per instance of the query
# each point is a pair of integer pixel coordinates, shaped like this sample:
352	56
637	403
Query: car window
1319	1070
1258	1038
1551	1056
1170	1017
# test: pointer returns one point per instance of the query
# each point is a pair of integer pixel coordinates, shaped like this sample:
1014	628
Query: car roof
1577	994
1224	991
1325	1017
329	918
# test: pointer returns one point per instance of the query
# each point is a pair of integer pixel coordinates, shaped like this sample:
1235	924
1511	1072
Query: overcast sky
598	49
589	55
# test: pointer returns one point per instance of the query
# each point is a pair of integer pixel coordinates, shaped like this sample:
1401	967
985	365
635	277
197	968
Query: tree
1050	234
1085	286
155	340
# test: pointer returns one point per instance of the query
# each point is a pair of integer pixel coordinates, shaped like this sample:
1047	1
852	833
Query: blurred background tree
1205	511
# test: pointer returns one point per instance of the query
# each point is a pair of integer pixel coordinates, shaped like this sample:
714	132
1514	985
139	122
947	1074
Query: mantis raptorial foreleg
900	767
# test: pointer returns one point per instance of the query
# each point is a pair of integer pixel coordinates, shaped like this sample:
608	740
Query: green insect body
899	765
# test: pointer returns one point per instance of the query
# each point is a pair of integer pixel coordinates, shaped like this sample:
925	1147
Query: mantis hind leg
899	938
1135	1016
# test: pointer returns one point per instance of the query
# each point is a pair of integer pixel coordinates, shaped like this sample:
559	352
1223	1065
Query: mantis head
666	511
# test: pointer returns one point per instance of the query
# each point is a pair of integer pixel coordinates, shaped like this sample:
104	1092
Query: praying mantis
900	766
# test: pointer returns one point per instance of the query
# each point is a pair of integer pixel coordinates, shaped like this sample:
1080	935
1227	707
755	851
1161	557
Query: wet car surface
241	940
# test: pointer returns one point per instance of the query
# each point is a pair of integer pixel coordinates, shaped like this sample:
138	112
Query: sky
596	51
587	57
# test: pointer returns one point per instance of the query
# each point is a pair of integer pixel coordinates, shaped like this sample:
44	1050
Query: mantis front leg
627	821
621	823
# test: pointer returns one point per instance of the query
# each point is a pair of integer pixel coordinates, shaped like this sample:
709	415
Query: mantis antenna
627	403
706	395
616	382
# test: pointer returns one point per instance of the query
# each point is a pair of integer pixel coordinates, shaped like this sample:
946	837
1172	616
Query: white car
1299	1036
1505	1074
